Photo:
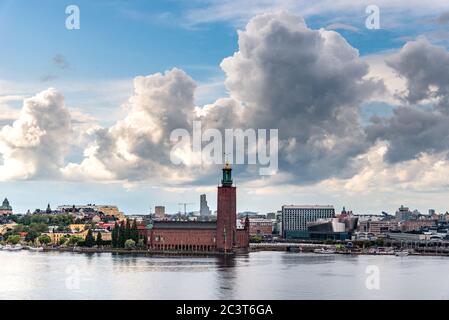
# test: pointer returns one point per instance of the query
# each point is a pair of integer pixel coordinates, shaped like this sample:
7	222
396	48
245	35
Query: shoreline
121	251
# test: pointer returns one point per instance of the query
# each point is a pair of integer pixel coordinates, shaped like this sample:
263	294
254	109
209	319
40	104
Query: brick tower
226	212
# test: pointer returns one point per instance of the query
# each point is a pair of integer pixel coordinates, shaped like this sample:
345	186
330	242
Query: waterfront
258	275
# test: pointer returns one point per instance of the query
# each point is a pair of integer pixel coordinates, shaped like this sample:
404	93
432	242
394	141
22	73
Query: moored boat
36	249
325	251
401	253
17	247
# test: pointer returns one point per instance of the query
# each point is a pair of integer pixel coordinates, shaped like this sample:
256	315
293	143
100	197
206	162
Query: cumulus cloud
410	132
138	147
420	126
425	67
426	173
308	84
35	144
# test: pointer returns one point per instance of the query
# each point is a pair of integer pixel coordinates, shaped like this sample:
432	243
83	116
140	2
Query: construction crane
185	204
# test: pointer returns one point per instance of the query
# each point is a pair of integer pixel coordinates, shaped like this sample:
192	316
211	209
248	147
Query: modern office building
204	208
159	212
404	213
296	217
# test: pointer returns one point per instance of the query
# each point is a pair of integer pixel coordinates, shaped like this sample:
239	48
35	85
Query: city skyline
86	117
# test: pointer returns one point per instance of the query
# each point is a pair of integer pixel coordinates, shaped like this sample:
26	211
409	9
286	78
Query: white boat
17	247
36	249
401	253
325	251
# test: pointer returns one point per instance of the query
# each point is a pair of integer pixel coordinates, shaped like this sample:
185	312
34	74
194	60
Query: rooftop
314	206
184	225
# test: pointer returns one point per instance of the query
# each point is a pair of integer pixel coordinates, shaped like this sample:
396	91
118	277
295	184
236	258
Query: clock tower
226	212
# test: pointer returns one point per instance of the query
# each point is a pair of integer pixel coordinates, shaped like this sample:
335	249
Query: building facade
296	217
377	227
260	227
204	208
214	236
159	212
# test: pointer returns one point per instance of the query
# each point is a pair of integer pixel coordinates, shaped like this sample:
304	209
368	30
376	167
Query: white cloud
308	83
35	144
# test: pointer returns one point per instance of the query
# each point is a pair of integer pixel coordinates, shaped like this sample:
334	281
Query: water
258	275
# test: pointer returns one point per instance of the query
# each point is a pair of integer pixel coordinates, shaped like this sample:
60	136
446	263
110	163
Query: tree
130	244
62	241
99	241
73	240
13	239
89	241
38	227
114	236
134	232
44	239
128	230
140	244
31	236
122	235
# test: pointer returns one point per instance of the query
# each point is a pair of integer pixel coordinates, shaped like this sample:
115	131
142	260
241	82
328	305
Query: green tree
128	230
44	239
13	239
31	236
89	241
122	235
145	239
134	232
99	241
62	240
130	244
114	236
73	240
140	244
38	227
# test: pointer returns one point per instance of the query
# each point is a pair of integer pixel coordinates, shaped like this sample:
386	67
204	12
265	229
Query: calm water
261	275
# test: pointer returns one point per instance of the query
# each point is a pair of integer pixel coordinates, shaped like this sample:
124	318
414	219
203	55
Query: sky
362	114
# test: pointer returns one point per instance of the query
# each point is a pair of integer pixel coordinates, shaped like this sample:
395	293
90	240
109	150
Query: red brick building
260	227
220	236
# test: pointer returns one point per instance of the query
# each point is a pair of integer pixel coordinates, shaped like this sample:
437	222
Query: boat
36	249
401	253
17	247
325	251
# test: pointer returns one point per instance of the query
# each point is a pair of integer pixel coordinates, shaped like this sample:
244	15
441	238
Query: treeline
125	235
49	219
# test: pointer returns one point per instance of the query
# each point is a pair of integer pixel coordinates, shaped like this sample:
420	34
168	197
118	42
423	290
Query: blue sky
120	40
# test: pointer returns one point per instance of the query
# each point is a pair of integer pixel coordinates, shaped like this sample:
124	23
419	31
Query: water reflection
226	277
259	275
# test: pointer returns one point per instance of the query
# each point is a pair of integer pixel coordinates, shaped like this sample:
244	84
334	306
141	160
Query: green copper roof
5	205
227	176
